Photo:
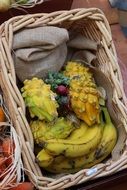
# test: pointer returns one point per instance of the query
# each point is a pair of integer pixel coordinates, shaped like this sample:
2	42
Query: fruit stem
106	115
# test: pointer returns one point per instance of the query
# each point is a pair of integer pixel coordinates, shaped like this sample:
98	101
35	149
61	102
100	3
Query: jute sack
38	50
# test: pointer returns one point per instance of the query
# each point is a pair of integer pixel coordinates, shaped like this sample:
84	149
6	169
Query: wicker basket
12	175
93	24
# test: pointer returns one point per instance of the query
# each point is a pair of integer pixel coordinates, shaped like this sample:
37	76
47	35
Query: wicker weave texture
93	24
12	174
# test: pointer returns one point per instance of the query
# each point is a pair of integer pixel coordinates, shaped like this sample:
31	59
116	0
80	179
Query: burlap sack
40	67
81	48
84	55
38	50
78	41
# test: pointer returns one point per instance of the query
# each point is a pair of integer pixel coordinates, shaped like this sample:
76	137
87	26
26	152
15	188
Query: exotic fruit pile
72	131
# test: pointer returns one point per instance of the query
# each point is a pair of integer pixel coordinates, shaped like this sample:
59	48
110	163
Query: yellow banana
79	132
75	148
72	165
62	164
44	159
108	141
75	135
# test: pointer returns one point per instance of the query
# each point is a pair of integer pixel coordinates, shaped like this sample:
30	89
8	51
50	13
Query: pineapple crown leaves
56	78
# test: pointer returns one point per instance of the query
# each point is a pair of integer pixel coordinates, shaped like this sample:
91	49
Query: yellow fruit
79	132
40	99
78	147
59	129
63	164
84	95
44	159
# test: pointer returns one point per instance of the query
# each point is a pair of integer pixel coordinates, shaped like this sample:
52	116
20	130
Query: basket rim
60	12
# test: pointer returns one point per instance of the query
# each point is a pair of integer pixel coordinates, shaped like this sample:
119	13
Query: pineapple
84	95
40	99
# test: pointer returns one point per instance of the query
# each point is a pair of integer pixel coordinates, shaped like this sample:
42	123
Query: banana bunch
84	147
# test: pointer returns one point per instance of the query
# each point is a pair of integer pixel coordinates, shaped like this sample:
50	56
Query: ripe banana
44	159
75	148
108	140
79	132
62	164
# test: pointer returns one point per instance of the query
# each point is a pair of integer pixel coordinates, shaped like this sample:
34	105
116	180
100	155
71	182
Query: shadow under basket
92	24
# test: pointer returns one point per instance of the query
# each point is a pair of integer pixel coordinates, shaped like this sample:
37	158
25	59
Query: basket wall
12	175
93	24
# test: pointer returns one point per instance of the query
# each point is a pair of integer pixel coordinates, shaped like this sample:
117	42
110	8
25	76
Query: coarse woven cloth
38	50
